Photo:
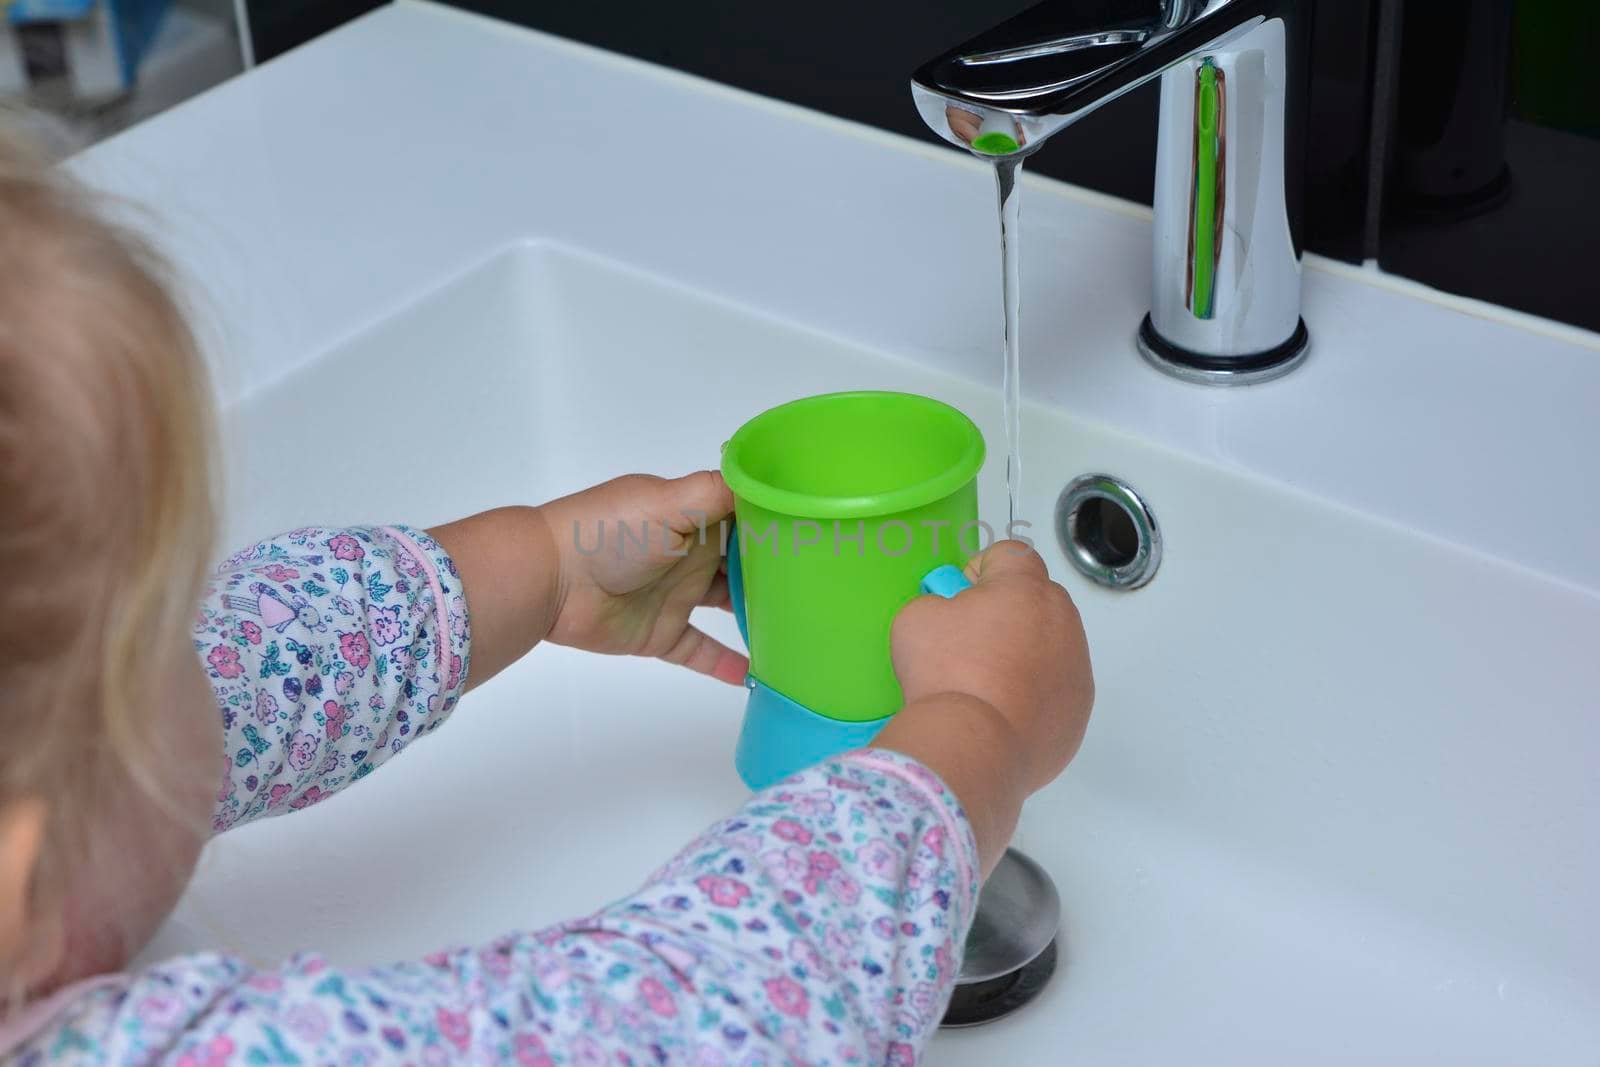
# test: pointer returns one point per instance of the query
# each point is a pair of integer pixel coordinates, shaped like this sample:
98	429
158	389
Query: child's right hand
998	687
1014	641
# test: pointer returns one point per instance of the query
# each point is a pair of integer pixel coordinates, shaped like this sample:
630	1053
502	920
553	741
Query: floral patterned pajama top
820	924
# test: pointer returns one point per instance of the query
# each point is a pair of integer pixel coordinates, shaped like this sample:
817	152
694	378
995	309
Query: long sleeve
328	651
821	924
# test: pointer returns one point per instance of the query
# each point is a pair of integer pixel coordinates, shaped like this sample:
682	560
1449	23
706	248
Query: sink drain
974	1003
1010	952
1108	532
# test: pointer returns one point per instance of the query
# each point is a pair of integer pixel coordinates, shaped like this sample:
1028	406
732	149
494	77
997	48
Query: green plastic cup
844	502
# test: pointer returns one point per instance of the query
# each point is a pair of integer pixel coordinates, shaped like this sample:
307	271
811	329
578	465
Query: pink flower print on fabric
336	717
528	1050
805	954
355	650
266	983
345	547
224	659
308	798
251	631
160	1010
277	572
657	998
745	841
924	999
844	888
308	1022
217	1052
841	940
819	866
944	960
722	891
787	996
453	1025
602	1015
586	1052
790	830
386	625
302	750
495	958
786	866
240	558
407	564
817	803
879	860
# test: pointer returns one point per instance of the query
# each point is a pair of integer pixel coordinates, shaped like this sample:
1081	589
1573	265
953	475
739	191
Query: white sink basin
1339	800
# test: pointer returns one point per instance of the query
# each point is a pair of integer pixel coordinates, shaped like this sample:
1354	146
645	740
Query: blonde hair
106	510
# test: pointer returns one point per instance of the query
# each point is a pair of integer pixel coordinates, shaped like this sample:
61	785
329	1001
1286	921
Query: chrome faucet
1229	158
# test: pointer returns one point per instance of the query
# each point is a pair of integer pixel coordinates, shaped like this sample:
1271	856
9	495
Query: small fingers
697	502
704	654
1006	559
717	594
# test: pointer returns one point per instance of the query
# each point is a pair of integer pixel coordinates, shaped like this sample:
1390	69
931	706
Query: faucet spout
1225	305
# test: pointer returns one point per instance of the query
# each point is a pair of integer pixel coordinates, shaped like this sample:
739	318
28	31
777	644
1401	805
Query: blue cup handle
945	580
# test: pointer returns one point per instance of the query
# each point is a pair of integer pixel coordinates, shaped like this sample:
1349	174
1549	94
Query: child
821	923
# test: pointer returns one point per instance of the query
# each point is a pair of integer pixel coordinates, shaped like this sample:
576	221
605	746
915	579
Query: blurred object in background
78	70
1450	151
98	45
1496	153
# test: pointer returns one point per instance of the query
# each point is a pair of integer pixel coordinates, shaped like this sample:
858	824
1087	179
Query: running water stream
1006	173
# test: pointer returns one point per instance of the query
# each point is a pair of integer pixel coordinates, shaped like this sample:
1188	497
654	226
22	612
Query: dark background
1454	141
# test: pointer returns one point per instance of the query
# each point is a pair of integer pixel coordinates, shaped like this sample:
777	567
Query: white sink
1340	796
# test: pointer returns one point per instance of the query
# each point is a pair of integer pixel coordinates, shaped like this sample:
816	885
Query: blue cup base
780	737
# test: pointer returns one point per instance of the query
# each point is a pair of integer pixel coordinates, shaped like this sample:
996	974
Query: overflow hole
1108	531
1105	530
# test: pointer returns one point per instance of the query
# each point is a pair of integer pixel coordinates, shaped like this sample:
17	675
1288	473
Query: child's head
105	527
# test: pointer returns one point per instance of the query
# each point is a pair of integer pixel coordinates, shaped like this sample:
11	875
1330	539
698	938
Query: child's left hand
616	569
637	554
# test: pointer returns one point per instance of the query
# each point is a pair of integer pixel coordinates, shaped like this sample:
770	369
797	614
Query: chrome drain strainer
1011	949
975	1003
